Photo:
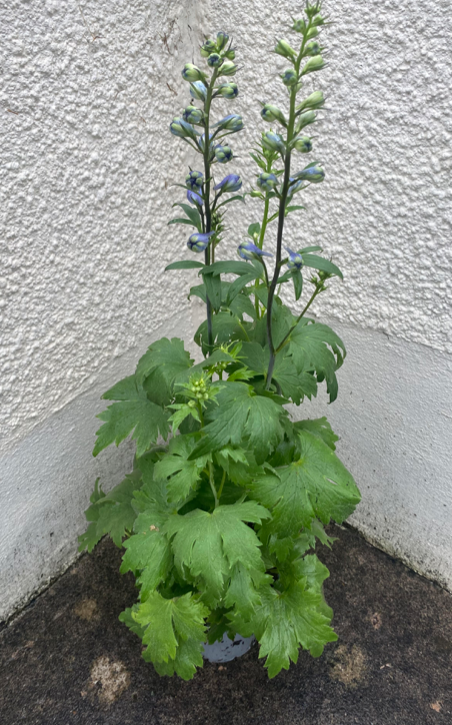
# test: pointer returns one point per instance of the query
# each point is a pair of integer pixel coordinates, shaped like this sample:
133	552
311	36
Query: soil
66	659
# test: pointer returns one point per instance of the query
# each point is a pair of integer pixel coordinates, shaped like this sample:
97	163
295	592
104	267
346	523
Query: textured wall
384	214
87	93
86	101
385	142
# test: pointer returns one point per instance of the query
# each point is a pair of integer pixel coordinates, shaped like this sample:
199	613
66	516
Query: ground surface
68	660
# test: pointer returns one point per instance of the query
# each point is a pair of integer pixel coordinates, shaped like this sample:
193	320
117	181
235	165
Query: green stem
317	290
220	490
261	239
212	484
208	212
282	215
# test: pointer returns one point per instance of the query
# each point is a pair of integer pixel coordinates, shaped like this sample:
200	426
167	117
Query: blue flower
266	181
232	182
199	242
194	198
223	154
198	91
249	251
233	123
295	259
194	180
314	174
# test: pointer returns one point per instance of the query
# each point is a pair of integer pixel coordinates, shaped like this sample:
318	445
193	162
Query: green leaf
229	267
192	213
312	260
184	264
225	328
136	415
315	248
321	428
237	197
210	544
285	620
126	617
213	288
243	589
241	416
297	278
180	473
242	305
315	347
148	552
174	632
239	283
254	229
295	207
317	485
160	365
295	385
182	220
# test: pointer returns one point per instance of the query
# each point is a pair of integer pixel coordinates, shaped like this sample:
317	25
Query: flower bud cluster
223	154
218	54
199	389
194	180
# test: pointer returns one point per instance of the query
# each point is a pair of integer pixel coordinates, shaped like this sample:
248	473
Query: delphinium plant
228	496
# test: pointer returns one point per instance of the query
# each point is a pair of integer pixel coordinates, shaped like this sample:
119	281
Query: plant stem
212	484
317	290
261	238
282	215
207	195
220	490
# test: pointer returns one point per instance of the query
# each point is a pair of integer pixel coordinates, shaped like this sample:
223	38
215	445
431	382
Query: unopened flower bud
303	144
299	26
222	39
272	113
295	259
198	90
223	154
230	54
312	48
312	33
199	242
312	102
304	119
208	47
256	194
266	181
193	115
283	48
228	68
249	251
228	90
290	77
313	174
233	123
273	142
180	127
192	73
313	64
194	198
232	182
318	21
194	180
214	60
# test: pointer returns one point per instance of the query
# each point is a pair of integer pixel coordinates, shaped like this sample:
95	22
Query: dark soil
68	660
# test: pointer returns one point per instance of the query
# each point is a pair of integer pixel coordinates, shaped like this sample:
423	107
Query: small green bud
230	54
290	77
214	60
191	403
228	69
206	396
209	47
312	48
304	120
312	102
272	113
256	194
299	25
312	33
192	73
312	10
303	144
273	142
193	115
228	90
283	48
222	39
318	21
313	64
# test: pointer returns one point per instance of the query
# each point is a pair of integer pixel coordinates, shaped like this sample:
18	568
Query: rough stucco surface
384	209
86	101
85	104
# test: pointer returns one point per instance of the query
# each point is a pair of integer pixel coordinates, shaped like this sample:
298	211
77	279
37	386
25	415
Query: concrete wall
87	94
86	98
384	214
